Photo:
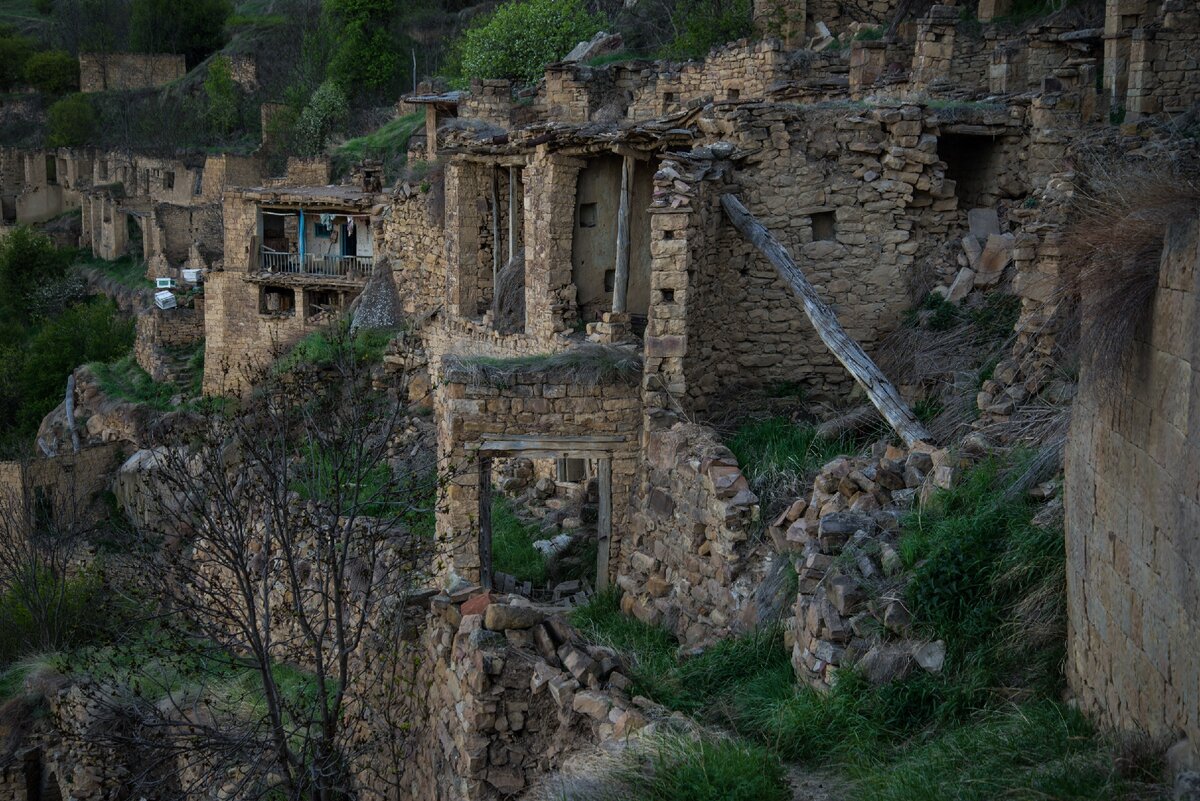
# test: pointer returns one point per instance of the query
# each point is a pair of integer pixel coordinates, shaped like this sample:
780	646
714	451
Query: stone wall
691	564
504	691
414	238
99	72
161	331
1132	512
857	198
530	401
1164	67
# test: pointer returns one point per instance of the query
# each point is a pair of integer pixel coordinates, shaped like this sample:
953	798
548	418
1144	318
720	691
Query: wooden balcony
353	268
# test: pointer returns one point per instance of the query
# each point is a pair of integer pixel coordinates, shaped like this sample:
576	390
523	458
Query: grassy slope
989	726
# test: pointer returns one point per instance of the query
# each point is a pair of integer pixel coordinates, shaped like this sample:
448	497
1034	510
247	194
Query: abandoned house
295	257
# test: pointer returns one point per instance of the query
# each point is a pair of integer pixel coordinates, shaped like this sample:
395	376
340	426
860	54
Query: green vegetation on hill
989	583
50	326
521	36
388	143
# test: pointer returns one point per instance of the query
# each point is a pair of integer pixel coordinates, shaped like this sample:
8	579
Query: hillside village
800	411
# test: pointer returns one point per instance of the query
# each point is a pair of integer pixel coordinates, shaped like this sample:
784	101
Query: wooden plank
881	392
512	214
603	522
485	523
621	279
495	238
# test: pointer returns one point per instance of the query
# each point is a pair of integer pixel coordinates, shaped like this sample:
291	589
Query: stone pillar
550	301
1004	73
1140	99
785	19
935	46
868	60
467	187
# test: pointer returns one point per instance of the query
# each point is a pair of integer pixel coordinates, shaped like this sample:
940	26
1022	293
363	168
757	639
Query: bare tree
287	557
43	529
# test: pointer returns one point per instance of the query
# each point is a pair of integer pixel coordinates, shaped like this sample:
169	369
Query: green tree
222	96
28	261
54	72
326	111
704	24
194	28
366	49
94	331
522	36
71	121
15	51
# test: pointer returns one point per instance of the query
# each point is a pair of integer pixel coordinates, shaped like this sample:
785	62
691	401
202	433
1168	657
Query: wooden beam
495	238
621	279
485	523
512	213
603	522
881	392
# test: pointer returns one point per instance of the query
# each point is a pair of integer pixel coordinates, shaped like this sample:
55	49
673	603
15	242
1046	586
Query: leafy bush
706	24
28	260
15	51
67	612
221	92
54	72
195	28
72	121
523	36
366	54
325	113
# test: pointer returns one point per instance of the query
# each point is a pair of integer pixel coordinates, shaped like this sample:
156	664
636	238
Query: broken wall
99	72
533	401
1132	492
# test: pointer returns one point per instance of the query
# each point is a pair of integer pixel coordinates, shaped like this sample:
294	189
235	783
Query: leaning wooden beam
621	272
881	392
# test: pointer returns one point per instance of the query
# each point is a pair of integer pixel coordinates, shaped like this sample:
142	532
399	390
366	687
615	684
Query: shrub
522	36
66	612
221	92
194	28
15	51
72	121
54	72
326	111
28	260
708	23
366	55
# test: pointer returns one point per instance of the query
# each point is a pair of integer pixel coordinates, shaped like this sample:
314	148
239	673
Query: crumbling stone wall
99	72
159	331
503	692
857	198
1132	512
1164	69
415	239
691	564
227	170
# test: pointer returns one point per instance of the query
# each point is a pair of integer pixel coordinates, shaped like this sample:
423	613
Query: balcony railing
315	264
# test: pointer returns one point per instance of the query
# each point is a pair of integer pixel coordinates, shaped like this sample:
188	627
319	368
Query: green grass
708	769
588	364
777	446
512	545
126	271
323	348
990	725
124	379
388	143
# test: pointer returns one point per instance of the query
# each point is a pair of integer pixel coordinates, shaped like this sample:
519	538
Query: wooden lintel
632	152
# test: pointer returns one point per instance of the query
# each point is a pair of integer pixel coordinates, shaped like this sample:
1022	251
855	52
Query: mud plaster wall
1132	513
534	403
172	230
594	245
877	175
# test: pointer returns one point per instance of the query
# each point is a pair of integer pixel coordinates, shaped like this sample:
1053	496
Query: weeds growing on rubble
989	583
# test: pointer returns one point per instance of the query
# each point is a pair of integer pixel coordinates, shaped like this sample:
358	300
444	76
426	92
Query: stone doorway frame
541	446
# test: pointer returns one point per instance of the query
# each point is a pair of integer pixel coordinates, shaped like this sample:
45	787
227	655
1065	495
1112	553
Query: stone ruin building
577	229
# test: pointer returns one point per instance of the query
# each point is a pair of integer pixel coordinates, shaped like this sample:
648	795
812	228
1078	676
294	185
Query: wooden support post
485	523
495	236
621	279
881	392
512	212
604	521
